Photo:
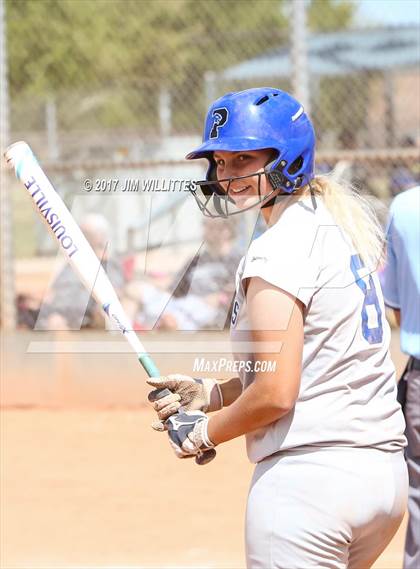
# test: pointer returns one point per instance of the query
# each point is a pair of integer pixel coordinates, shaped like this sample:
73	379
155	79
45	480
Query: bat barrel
73	243
16	153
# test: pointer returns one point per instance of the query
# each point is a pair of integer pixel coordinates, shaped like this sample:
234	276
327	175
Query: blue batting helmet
255	119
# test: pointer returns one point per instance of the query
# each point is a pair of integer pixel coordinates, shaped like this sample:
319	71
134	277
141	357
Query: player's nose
232	172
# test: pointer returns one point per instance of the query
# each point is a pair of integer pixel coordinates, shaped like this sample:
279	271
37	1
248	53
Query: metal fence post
300	75
7	284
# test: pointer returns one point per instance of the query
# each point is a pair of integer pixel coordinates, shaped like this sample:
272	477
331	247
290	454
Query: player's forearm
231	390
255	408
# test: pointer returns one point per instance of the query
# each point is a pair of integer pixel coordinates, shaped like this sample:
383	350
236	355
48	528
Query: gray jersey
348	389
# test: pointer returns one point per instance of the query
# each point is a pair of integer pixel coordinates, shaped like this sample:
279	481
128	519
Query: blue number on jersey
372	335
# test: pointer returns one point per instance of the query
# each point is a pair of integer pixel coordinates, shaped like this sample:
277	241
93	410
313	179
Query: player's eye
220	162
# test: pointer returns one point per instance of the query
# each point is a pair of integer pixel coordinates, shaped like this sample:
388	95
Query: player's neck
273	213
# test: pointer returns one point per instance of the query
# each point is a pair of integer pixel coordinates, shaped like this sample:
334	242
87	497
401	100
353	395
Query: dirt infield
100	489
95	487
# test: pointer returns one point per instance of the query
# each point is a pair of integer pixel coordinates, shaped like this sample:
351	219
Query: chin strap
272	201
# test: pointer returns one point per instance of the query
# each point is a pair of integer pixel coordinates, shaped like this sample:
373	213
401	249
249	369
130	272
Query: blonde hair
354	214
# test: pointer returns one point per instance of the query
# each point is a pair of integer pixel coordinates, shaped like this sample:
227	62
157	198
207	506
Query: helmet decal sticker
297	114
220	119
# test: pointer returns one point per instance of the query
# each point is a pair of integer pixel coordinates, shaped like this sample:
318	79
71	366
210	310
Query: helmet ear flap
278	173
295	166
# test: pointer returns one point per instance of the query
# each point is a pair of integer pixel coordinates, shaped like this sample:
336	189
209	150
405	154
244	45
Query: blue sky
388	12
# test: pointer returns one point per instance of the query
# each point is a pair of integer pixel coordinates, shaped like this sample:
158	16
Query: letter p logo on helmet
220	117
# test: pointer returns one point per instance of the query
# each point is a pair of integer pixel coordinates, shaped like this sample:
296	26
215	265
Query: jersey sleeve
389	277
286	256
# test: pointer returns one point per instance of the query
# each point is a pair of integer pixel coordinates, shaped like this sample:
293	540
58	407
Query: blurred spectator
69	305
27	310
401	286
210	270
402	179
202	290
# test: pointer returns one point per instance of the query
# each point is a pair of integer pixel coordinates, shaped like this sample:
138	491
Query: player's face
249	190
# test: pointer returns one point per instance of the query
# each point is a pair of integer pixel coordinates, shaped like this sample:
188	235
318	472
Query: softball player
324	428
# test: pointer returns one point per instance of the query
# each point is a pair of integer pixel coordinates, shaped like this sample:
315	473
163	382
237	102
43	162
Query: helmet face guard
214	201
255	119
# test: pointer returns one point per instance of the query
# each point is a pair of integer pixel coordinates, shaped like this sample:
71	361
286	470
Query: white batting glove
187	392
188	434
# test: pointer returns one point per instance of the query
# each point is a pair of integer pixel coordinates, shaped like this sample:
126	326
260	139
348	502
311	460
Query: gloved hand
187	392
188	436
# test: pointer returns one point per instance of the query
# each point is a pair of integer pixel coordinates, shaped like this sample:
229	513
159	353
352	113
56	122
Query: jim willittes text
127	185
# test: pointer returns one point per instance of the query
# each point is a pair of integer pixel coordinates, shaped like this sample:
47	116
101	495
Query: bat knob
205	457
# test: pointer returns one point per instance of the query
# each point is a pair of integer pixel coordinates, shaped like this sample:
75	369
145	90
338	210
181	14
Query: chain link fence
119	89
113	79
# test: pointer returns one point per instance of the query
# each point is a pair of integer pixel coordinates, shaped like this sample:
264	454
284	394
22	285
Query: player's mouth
239	190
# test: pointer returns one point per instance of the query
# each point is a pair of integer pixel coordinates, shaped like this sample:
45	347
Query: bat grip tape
152	371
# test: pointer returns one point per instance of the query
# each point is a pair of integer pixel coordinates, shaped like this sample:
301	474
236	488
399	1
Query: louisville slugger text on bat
79	253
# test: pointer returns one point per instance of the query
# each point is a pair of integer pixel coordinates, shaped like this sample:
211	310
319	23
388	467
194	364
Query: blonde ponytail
354	214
